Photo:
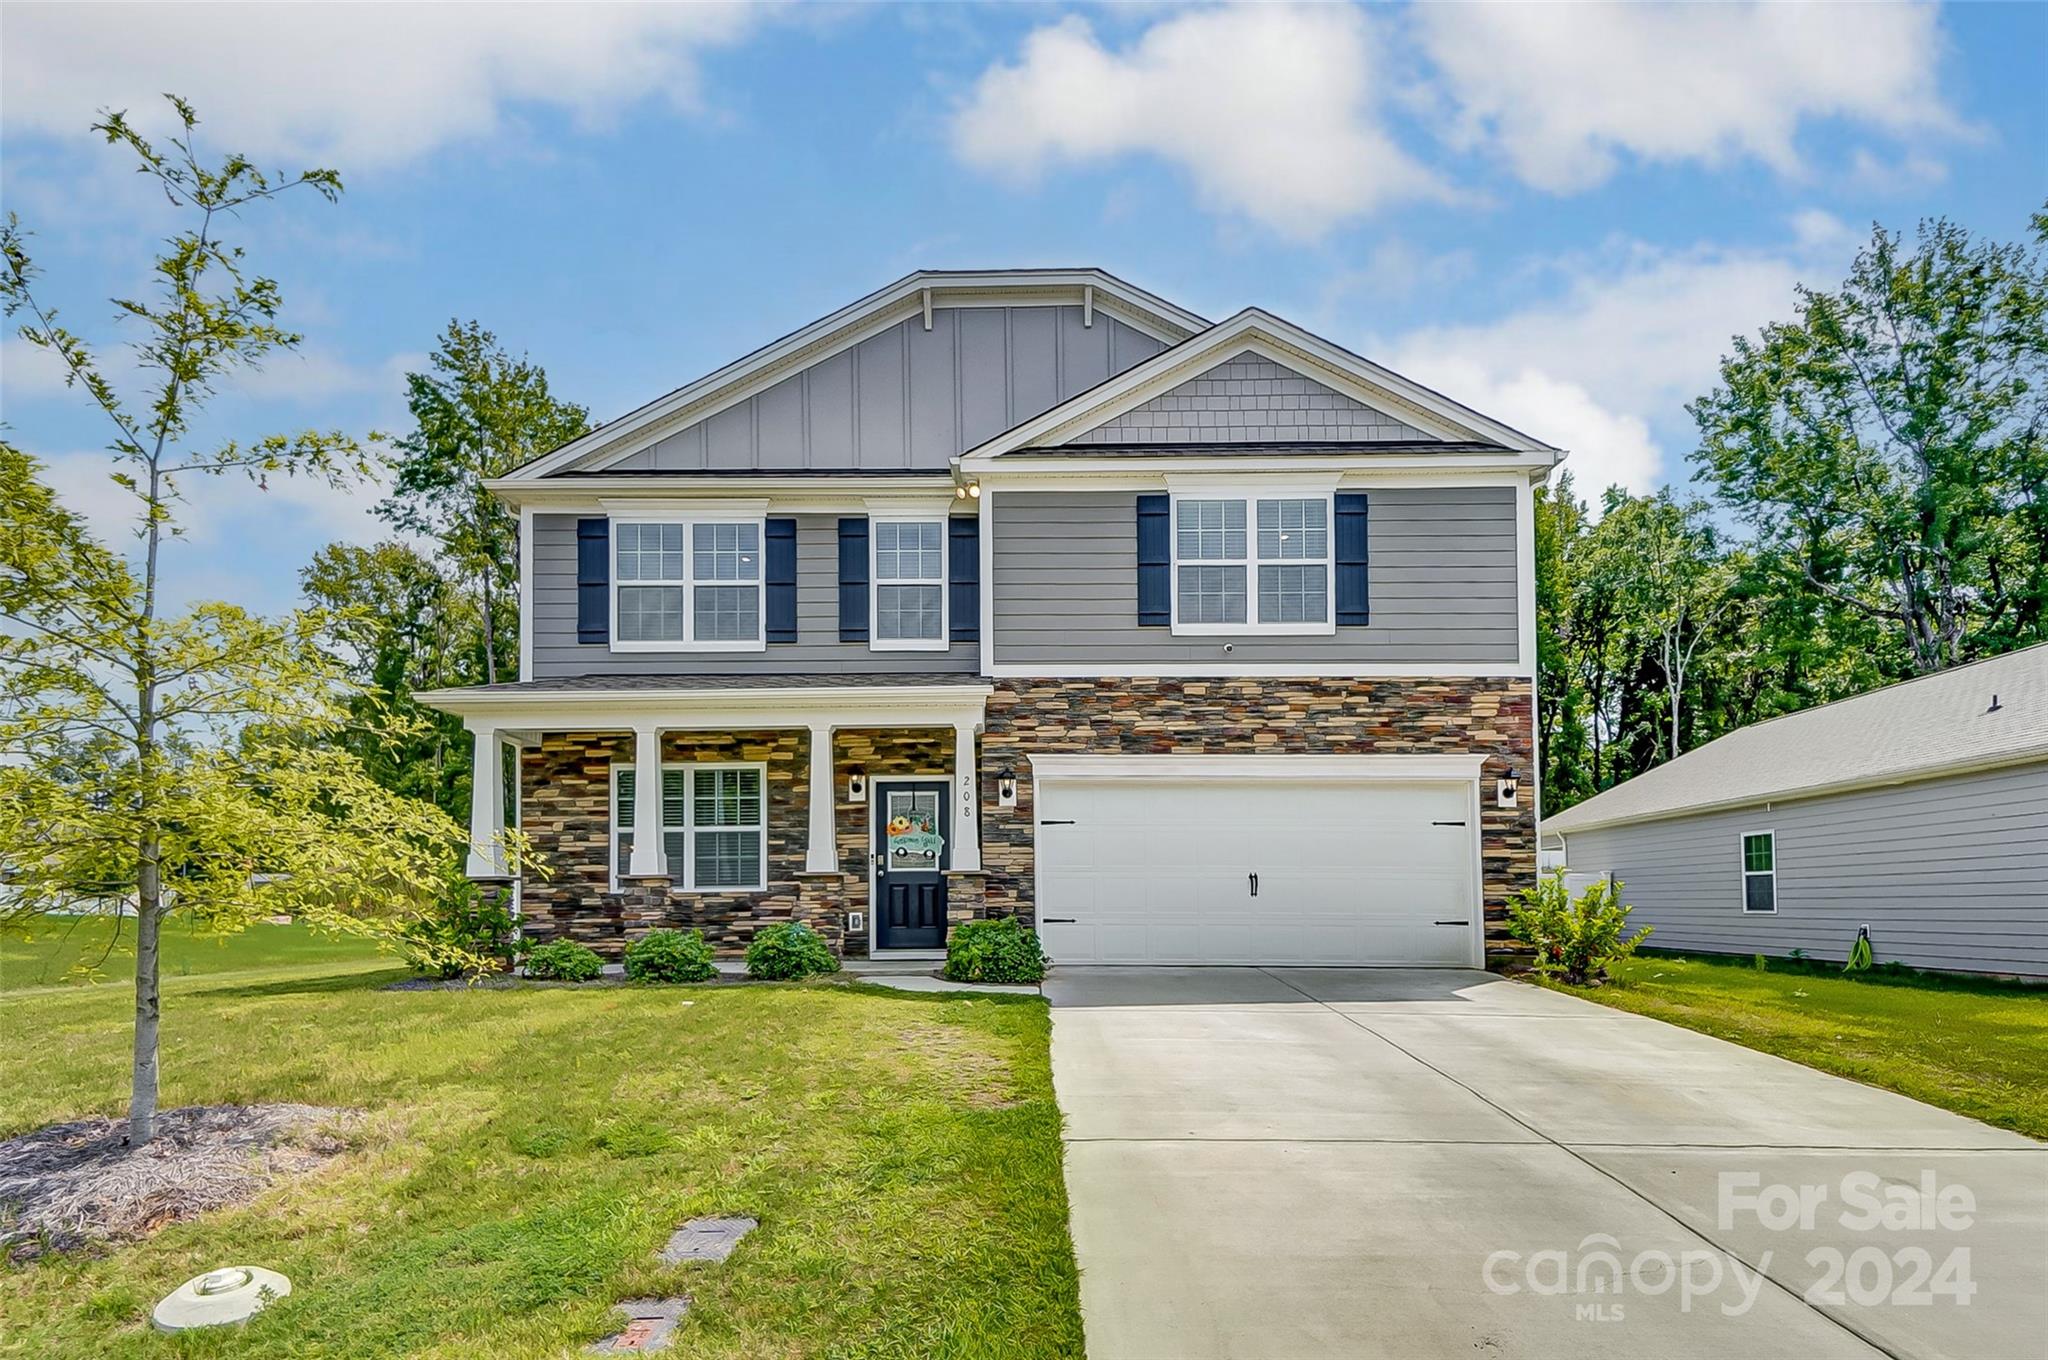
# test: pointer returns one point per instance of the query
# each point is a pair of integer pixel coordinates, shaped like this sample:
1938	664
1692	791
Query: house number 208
967	795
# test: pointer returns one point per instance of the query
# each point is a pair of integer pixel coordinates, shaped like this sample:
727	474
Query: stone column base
643	904
821	905
966	895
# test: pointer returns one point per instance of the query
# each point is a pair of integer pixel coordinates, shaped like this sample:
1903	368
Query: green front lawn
67	950
1978	1048
526	1151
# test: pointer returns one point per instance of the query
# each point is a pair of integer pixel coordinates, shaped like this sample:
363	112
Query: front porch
737	838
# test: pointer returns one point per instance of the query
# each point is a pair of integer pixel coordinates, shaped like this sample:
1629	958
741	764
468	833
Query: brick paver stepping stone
650	1326
706	1239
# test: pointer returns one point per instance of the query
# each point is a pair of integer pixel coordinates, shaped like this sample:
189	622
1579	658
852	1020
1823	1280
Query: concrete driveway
1282	1163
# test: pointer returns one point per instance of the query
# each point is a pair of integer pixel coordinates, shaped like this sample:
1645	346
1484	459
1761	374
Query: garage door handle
1255	883
1454	923
1056	921
1446	823
1057	821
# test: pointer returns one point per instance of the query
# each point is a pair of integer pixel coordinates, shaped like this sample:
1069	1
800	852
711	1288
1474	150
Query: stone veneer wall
1355	717
566	809
566	793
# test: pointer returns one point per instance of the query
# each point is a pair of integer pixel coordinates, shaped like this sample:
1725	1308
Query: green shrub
1000	950
1575	941
564	961
670	956
794	950
468	932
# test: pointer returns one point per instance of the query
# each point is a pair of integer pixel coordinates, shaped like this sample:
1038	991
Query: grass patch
68	950
1979	1048
526	1151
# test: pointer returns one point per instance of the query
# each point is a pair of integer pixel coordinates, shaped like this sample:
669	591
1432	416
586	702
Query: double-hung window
714	828
687	585
1760	871
1252	564
909	584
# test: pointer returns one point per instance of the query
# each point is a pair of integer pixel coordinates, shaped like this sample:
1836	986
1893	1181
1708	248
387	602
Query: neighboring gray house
1027	593
1919	810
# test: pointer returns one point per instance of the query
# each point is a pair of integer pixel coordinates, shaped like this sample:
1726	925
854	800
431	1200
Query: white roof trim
1257	331
878	705
1824	789
829	335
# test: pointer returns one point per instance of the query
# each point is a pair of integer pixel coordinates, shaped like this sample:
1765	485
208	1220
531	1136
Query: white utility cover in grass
1136	871
230	1294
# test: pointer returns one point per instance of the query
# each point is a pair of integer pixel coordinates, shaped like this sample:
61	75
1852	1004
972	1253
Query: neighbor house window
910	584
1251	564
687	584
1760	871
714	829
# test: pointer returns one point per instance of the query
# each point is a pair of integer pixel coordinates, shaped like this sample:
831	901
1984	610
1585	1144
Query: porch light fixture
1506	788
1006	787
856	787
971	491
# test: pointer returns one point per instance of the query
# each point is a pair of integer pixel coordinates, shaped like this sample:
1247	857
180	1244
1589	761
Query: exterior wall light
856	787
1507	788
971	491
1006	787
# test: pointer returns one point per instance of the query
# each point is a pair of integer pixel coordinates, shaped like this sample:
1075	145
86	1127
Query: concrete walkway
1287	1163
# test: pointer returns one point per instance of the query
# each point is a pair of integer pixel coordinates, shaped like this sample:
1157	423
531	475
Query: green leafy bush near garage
1000	950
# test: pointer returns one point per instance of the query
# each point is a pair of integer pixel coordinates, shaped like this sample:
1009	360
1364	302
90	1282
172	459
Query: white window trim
686	881
1251	496
876	643
1742	861
689	583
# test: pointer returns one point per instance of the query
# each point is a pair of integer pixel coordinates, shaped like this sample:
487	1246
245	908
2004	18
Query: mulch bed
77	1185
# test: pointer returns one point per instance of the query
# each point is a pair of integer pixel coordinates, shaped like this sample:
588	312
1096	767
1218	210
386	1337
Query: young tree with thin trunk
154	761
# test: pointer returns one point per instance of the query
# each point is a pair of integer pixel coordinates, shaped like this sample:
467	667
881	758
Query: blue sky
1556	214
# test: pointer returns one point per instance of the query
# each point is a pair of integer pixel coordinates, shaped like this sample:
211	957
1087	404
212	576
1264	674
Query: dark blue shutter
853	579
963	577
593	580
778	576
1155	562
1352	592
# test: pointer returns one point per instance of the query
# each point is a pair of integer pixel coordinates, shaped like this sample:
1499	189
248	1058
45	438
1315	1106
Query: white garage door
1227	871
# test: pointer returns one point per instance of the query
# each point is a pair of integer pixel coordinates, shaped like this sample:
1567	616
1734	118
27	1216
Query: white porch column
646	858
966	800
486	806
821	856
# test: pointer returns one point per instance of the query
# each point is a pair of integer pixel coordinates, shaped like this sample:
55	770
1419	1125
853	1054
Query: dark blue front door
913	844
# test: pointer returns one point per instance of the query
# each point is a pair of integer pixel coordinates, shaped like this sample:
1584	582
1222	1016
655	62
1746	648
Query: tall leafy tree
172	761
478	413
400	623
1889	439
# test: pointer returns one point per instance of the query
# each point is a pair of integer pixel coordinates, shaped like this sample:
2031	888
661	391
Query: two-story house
1027	593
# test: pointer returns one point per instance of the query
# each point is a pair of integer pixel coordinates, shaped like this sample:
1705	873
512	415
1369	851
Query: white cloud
28	370
214	507
359	86
1564	91
1272	111
1607	365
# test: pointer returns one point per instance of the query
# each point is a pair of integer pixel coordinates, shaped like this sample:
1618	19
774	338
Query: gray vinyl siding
1441	587
1947	873
910	397
817	650
1252	399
